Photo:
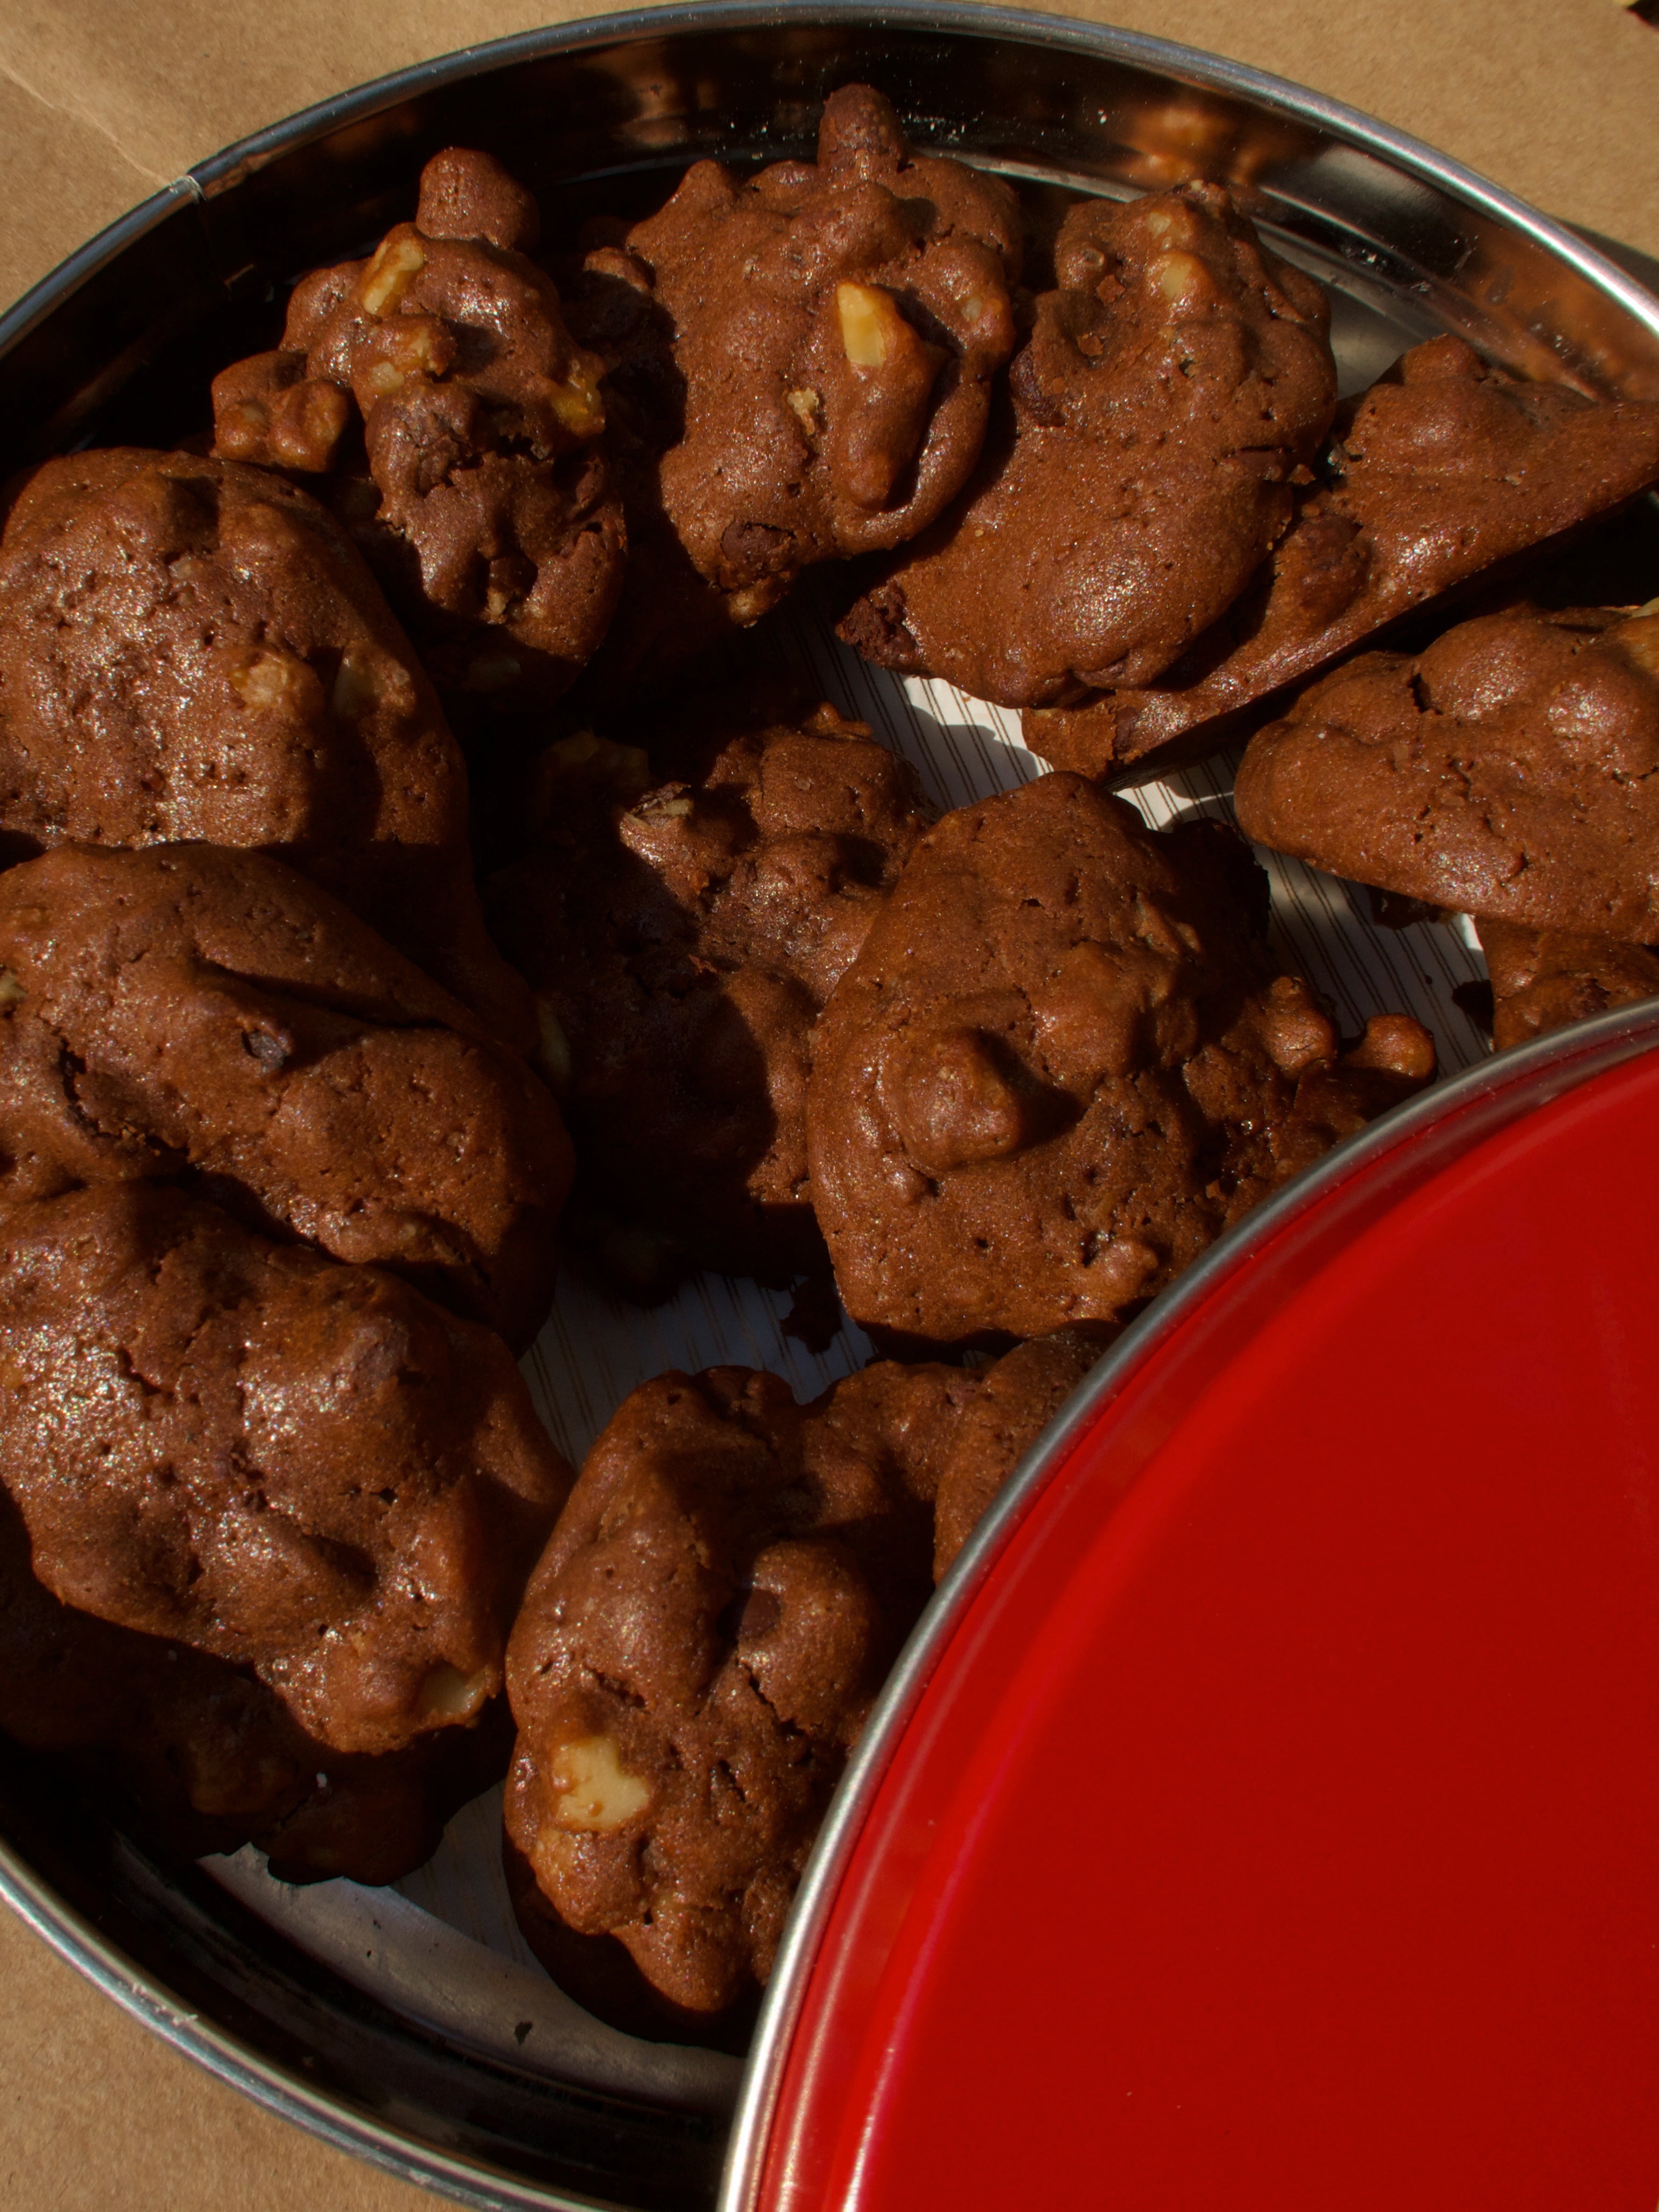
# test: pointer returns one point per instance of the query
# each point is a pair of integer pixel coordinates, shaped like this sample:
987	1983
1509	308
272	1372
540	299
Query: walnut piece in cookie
681	932
191	1009
201	1757
807	356
194	649
298	1466
1542	979
695	1657
1507	772
487	497
1443	467
1170	392
1061	1064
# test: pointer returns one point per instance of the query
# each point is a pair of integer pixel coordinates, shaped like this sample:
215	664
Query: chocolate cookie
681	936
188	1008
1542	979
1170	390
696	1655
808	355
1017	1398
202	1757
1061	1064
301	1468
1506	773
482	489
1444	467
193	650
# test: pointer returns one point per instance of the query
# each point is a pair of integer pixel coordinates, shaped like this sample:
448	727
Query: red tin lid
1280	1828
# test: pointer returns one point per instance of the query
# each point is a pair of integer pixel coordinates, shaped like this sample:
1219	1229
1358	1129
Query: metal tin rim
1541	1069
1483	1099
1190	64
80	1945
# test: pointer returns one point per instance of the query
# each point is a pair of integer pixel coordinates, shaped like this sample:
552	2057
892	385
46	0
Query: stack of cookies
295	1118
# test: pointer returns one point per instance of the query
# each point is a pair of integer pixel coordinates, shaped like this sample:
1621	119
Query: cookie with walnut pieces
1542	979
194	649
681	925
700	1647
1018	1397
1506	772
200	1757
807	355
186	1010
1173	388
1063	1063
1444	467
438	383
304	1469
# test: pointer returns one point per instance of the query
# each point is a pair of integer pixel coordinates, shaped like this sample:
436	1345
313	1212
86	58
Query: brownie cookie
1061	1064
1170	392
482	489
696	1655
681	935
301	1468
1443	468
1542	979
189	648
808	355
202	1757
1508	772
1017	1398
186	1007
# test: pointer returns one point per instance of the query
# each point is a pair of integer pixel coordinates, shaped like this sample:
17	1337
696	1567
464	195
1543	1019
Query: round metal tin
119	344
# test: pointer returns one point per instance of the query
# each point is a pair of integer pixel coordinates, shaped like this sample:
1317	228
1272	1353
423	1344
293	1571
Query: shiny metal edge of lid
1445	1121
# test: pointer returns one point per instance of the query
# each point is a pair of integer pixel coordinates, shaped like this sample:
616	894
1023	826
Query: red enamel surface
1281	1828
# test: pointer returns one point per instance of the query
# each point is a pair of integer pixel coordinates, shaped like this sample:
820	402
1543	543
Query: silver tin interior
119	345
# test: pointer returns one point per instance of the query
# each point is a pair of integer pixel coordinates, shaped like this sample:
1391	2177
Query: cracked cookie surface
1171	389
1061	1064
1507	772
299	1466
194	649
191	1010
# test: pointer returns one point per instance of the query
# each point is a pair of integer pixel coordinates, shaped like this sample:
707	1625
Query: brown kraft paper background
101	102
